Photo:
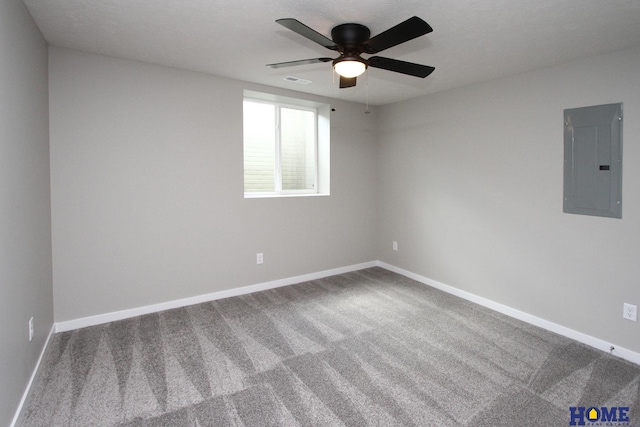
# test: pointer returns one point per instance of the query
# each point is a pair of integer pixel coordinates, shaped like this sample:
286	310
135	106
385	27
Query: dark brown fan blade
300	62
346	82
403	67
403	32
298	27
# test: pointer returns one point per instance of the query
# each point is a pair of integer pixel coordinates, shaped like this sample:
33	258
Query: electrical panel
593	160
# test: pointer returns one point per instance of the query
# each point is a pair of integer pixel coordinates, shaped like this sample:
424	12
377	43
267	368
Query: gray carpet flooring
364	348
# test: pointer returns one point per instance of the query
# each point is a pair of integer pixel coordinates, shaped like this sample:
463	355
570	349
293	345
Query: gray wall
147	190
470	185
25	223
147	206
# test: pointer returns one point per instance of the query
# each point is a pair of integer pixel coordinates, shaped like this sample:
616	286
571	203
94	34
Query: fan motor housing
350	35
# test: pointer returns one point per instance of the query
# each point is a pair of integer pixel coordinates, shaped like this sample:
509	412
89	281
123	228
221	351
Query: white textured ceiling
472	41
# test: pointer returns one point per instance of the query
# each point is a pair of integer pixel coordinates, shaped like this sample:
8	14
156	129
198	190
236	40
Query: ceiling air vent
297	80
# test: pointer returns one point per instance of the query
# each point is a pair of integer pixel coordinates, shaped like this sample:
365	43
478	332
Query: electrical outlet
31	329
395	246
630	312
259	258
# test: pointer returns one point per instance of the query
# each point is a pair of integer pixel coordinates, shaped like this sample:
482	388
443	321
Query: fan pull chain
366	111
333	83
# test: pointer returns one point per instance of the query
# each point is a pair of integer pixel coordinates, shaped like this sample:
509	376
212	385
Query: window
285	146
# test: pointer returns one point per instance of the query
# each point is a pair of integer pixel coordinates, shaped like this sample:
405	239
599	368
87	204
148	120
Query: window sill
275	196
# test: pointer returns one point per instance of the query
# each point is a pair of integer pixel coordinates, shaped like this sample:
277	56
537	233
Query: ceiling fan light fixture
349	67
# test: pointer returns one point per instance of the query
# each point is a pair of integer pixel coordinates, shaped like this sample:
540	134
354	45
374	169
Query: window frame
320	139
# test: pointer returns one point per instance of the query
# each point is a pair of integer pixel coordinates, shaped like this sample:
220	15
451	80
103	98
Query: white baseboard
597	343
18	414
125	314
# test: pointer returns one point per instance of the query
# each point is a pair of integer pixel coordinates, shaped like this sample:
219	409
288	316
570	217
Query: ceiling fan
352	40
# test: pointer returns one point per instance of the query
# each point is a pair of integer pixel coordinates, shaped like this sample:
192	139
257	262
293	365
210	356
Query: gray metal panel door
593	160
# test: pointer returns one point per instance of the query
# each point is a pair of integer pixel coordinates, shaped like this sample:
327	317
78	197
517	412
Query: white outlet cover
630	312
31	329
